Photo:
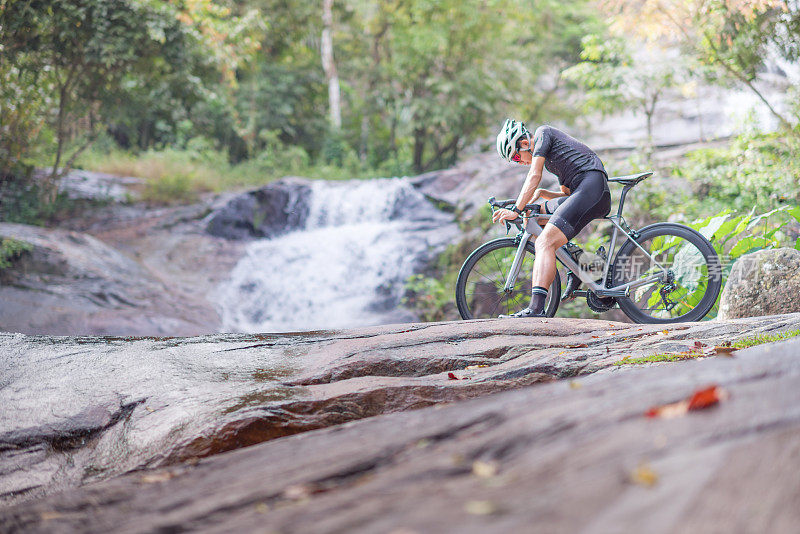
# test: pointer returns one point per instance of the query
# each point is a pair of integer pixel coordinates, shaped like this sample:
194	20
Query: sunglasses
517	157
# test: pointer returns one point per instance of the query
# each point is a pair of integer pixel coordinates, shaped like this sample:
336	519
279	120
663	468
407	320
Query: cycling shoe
527	312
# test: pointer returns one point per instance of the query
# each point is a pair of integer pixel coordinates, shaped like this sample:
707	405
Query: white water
346	268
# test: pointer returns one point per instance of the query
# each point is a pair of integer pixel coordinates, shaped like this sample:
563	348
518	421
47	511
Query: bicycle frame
533	230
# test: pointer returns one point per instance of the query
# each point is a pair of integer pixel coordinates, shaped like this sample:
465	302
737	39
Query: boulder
73	283
265	212
762	283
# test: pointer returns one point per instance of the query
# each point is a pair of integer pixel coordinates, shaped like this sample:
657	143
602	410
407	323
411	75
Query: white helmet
511	132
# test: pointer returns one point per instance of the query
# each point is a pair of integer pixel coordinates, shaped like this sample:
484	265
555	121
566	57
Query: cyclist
583	196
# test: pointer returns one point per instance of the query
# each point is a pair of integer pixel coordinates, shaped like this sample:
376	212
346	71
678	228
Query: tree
734	36
329	65
615	78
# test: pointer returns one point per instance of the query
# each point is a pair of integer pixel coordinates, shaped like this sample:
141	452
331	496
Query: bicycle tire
708	273
466	301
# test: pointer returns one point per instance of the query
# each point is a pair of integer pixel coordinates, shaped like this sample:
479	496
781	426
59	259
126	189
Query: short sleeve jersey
564	156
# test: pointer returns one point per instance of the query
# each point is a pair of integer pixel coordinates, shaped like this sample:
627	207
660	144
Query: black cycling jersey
564	156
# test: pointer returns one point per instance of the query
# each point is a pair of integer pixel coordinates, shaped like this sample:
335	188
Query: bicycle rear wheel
480	287
691	283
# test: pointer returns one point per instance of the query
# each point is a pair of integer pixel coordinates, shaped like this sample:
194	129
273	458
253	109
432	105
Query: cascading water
346	266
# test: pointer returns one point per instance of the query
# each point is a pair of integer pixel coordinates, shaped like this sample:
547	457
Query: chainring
599	304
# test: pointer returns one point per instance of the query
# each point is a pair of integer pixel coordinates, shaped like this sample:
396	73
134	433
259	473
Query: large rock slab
73	283
762	283
568	456
82	409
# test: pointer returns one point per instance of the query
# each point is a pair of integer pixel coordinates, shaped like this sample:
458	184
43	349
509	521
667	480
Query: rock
72	283
79	184
567	457
468	185
83	409
762	283
266	212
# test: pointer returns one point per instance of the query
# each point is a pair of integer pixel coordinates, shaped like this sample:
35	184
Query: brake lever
508	226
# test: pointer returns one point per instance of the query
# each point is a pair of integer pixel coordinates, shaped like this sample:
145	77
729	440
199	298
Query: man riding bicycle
584	195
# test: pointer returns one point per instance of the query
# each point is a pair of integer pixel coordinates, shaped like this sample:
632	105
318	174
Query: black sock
538	296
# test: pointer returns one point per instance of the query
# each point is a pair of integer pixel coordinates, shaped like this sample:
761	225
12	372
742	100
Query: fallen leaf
669	411
698	345
480	508
156	477
663	332
299	492
149	409
562	352
262	508
725	351
644	475
700	399
611	333
451	376
483	469
707	397
577	346
480	366
574	384
47	516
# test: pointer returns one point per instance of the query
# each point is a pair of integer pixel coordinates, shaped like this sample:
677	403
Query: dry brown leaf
480	366
481	508
725	351
483	469
700	399
452	376
152	478
644	475
574	384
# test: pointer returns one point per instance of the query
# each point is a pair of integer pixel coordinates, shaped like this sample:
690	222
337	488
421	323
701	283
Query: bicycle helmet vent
511	132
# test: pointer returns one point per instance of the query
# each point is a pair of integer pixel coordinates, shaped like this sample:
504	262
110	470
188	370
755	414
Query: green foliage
735	235
615	77
750	341
429	297
11	249
757	170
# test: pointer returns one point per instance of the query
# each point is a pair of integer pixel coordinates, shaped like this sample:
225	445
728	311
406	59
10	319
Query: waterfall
346	266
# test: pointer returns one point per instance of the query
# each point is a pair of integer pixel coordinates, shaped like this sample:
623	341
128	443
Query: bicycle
662	273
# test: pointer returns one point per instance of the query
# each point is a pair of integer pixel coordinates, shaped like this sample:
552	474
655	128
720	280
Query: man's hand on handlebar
504	215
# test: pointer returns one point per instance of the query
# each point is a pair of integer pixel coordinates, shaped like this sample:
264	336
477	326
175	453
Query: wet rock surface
83	409
73	283
567	456
762	283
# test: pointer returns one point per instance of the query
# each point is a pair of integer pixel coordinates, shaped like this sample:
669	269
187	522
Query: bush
11	249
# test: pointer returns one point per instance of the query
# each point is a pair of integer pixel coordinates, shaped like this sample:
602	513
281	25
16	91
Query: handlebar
535	208
532	208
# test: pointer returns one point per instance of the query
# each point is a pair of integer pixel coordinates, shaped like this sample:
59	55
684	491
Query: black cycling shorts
590	199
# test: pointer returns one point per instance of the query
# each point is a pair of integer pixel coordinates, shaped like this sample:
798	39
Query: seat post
622	199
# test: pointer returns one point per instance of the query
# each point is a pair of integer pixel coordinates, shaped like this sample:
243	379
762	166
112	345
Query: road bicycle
662	273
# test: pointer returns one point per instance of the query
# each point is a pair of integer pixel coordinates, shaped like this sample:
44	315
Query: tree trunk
419	148
329	66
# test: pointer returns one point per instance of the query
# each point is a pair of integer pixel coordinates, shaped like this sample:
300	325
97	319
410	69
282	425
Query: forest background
197	96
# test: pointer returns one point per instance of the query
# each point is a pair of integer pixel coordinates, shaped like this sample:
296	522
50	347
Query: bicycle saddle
631	179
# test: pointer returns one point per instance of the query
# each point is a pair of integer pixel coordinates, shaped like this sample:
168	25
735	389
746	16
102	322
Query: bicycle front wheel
480	289
688	269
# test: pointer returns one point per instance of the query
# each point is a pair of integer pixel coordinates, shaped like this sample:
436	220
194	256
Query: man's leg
544	265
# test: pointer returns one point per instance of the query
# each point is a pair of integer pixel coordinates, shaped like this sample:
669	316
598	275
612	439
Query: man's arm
527	195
